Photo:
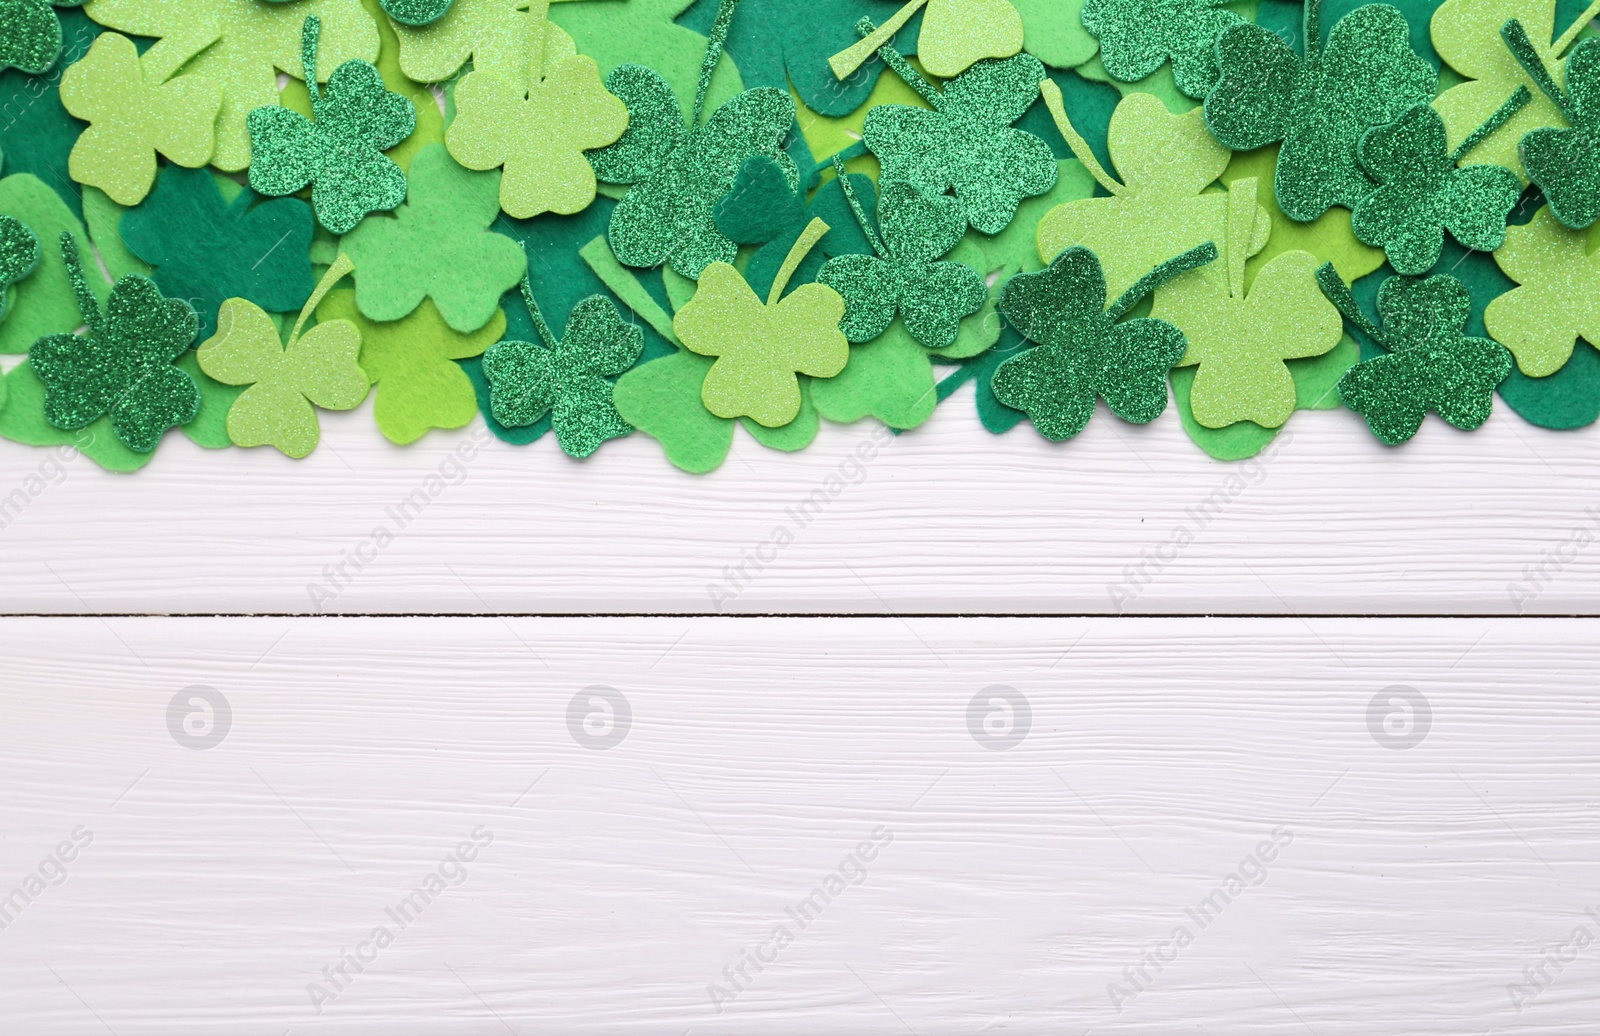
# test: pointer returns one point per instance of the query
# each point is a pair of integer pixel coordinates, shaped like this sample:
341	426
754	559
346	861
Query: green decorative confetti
763	208
1138	36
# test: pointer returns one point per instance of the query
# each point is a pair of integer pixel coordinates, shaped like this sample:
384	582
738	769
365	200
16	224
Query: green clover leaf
438	246
1422	193
764	208
415	12
567	378
287	381
123	366
1366	75
19	256
339	151
1558	300
955	34
1430	363
1564	163
30	34
1139	36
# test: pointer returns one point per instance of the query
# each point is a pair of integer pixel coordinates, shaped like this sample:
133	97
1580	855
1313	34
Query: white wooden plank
1018	885
945	519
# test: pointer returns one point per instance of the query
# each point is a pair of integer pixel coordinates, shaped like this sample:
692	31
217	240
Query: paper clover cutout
415	12
760	348
30	34
955	35
19	255
438	246
1139	36
1319	106
966	144
287	381
1559	298
567	378
131	118
338	152
907	276
1565	163
1431	364
123	365
1422	193
1082	351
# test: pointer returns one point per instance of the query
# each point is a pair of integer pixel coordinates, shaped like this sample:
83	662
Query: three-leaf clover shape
907	275
1559	298
966	144
287	381
438	246
123	366
19	254
1366	75
760	348
1082	351
1430	363
1564	162
955	34
339	150
1139	36
566	378
1422	193
30	34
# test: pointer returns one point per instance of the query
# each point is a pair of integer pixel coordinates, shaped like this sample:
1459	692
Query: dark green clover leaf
1139	36
19	254
124	365
566	378
1423	194
967	143
1082	351
1431	364
1320	105
764	208
1565	163
30	34
907	276
341	153
415	12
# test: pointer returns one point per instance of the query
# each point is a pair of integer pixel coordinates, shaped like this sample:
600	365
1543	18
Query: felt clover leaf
1083	352
238	46
566	378
1366	75
19	255
410	362
438	246
30	34
123	366
1240	340
760	348
678	174
317	369
338	152
1565	163
906	276
38	136
966	144
669	36
415	12
1467	35
1430	363
1559	298
1422	194
131	117
1166	162
955	35
1139	36
538	129
207	250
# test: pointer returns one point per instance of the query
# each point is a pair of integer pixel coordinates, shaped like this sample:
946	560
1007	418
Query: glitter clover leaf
1558	300
239	47
966	144
438	246
415	12
287	380
1139	36
1422	193
123	367
1430	363
131	117
761	347
1366	75
907	275
1564	163
538	130
30	34
955	35
19	256
497	36
1082	351
566	378
338	152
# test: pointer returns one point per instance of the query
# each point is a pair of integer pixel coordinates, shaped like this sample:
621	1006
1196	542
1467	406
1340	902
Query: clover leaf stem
1514	104
1311	28
1561	45
1338	293
797	252
625	286
1242	194
855	207
336	272
310	33
1193	259
903	69
87	304
1516	39
1080	147
538	318
847	61
708	64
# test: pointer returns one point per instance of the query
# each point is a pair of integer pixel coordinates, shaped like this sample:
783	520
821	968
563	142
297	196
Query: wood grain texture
947	519
1413	890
